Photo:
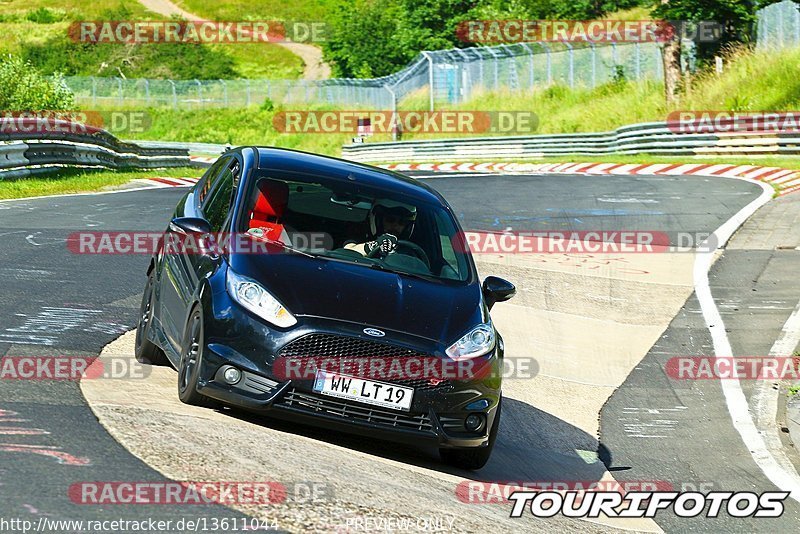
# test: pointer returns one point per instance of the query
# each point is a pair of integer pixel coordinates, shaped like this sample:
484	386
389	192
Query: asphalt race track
54	302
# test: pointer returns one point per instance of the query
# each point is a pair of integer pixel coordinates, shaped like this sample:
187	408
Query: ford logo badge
374	332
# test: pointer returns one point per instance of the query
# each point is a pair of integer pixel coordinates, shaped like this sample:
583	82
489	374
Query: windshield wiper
426	277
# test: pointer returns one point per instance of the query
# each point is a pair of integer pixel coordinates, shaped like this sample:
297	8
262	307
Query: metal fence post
119	91
147	90
529	47
393	118
224	92
430	75
496	69
796	26
571	64
638	56
549	63
594	65
464	84
199	93
174	95
94	91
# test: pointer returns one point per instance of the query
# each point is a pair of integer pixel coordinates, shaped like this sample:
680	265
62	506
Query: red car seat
271	202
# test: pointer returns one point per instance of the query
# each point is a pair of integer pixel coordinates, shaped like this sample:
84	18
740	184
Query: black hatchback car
331	293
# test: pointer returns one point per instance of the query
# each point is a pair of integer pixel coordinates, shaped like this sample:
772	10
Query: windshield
353	223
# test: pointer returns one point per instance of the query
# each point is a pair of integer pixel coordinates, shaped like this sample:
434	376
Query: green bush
45	16
23	88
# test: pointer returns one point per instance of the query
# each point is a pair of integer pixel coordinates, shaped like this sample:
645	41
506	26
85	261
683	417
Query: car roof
270	158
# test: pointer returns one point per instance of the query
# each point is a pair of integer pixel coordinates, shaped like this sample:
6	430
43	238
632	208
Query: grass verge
67	181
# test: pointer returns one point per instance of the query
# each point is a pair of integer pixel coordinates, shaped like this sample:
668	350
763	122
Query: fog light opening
475	422
232	375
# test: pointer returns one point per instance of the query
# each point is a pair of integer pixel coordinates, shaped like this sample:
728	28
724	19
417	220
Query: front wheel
476	458
146	351
189	367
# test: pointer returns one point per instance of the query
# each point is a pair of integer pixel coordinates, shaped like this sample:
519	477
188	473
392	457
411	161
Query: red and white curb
787	181
168	182
204	159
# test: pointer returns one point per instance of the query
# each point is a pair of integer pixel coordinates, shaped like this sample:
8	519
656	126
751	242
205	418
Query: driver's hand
387	243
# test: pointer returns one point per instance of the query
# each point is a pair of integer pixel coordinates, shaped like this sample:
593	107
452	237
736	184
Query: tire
146	351
476	458
191	358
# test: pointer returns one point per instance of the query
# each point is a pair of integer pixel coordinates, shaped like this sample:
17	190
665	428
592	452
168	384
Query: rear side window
219	203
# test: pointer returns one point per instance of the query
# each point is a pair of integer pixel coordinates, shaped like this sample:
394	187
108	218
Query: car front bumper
436	416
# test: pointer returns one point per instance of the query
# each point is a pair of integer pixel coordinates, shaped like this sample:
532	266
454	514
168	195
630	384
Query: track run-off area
601	328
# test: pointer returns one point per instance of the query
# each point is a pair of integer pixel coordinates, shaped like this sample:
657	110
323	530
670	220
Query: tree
23	88
671	55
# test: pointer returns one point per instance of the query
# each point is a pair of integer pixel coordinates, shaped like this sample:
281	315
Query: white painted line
765	397
735	399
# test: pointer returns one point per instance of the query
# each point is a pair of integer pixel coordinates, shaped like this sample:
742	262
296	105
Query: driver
388	222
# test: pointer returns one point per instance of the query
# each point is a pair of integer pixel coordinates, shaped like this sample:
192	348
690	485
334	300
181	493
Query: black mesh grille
334	346
311	402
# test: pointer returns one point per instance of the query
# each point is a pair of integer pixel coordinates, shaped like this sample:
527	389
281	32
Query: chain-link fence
198	94
455	75
779	25
442	77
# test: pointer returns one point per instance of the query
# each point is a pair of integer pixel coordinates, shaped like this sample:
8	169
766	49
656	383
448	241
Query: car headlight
474	343
258	300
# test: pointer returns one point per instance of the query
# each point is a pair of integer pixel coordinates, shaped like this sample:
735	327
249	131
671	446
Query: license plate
368	391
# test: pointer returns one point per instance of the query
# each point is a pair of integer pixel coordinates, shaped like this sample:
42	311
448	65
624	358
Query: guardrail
653	138
30	151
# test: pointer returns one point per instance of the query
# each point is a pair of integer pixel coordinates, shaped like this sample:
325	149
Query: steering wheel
413	247
417	250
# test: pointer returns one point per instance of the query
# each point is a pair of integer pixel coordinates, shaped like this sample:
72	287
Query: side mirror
189	225
199	229
497	290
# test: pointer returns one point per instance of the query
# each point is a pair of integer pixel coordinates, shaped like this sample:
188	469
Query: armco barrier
653	138
26	153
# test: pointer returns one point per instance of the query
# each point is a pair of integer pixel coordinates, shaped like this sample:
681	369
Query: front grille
312	402
335	346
